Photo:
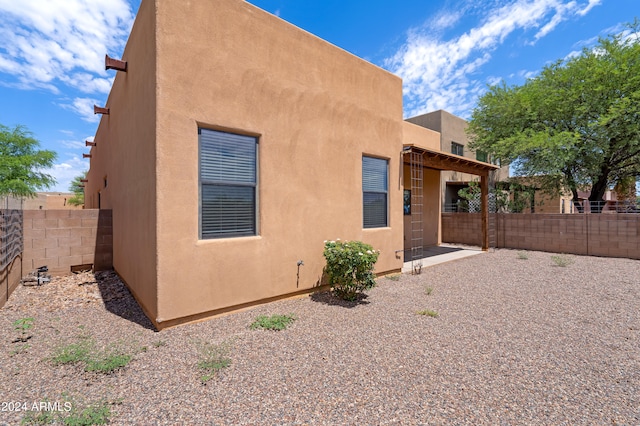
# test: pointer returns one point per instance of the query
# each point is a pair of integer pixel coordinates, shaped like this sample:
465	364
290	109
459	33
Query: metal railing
582	206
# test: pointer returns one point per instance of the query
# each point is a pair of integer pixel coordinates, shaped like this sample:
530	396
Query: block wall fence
607	235
62	239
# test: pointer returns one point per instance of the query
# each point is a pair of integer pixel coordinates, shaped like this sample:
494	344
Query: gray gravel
516	342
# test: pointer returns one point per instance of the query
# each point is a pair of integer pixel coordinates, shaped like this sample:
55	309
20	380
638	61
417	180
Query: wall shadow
328	298
118	299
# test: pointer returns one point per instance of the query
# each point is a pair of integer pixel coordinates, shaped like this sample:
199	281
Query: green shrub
350	267
274	322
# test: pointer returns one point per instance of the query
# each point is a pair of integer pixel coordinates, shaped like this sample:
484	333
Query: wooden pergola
442	161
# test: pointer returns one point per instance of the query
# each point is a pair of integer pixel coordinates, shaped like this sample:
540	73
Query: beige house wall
453	129
123	169
50	201
316	111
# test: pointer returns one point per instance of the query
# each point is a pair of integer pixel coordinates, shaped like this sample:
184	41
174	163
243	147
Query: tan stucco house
235	143
454	140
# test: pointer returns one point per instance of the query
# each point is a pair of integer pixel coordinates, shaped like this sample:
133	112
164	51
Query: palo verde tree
77	187
21	163
574	126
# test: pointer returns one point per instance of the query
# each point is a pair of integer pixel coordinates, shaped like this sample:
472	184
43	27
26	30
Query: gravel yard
516	341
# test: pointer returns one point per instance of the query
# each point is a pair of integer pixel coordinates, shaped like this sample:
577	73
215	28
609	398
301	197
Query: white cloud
439	74
47	43
84	108
65	171
73	144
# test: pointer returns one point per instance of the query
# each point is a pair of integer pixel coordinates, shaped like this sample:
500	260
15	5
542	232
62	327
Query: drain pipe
300	263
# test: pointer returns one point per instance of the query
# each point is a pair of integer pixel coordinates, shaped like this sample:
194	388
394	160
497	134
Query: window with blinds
457	149
375	183
228	182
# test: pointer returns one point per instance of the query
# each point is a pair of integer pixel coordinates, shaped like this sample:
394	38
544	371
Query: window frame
208	182
376	191
455	146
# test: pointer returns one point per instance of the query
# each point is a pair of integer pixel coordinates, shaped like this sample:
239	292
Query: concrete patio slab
440	254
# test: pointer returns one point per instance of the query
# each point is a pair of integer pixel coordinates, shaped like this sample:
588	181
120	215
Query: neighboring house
50	201
236	143
453	139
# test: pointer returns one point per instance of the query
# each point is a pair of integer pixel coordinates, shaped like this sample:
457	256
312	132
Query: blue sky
446	51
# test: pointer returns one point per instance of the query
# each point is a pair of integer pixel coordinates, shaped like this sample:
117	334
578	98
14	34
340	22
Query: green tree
576	125
77	187
21	163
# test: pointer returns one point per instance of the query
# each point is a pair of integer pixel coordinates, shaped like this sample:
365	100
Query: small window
457	149
228	182
375	183
481	156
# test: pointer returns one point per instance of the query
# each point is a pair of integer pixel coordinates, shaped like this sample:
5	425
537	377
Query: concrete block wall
61	239
462	228
608	235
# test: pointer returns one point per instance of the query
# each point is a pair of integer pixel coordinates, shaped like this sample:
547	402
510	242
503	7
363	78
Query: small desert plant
104	361
561	260
68	414
428	290
20	349
350	267
393	277
107	361
73	352
523	255
429	313
213	358
274	322
159	343
95	414
23	325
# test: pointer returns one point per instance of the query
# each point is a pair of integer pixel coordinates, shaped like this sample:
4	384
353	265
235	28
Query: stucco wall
316	110
122	176
453	129
50	201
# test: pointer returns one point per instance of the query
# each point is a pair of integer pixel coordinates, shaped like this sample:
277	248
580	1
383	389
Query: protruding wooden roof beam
86	155
100	110
84	180
88	143
114	64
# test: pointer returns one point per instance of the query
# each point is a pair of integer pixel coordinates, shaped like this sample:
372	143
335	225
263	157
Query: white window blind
375	183
228	182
